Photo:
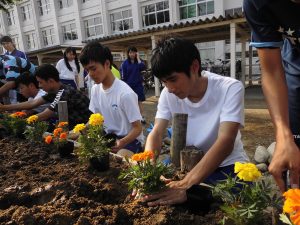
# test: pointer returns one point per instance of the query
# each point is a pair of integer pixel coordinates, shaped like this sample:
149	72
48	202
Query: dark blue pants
69	82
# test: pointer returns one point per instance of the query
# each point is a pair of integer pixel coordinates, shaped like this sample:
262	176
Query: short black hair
173	55
95	52
26	78
46	72
6	39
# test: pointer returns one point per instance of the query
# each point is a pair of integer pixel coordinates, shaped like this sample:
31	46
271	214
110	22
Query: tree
5	3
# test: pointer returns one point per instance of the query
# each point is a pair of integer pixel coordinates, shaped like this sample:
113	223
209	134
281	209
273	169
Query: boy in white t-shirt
113	98
214	105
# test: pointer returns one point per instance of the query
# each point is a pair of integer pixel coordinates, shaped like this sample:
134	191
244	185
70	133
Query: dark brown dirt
38	187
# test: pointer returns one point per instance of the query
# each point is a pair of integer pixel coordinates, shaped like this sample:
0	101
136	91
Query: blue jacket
131	73
17	53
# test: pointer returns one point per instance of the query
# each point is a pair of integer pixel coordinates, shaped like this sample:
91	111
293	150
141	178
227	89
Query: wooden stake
189	157
63	111
178	139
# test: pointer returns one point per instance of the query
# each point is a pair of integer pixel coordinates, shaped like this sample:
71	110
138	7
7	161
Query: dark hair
95	52
6	39
26	78
132	49
173	55
72	50
46	72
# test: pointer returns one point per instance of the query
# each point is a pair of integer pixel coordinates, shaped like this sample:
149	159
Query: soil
39	187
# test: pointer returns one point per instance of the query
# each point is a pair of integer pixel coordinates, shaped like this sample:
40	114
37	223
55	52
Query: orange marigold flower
136	157
143	156
57	131
63	136
48	139
62	124
292	205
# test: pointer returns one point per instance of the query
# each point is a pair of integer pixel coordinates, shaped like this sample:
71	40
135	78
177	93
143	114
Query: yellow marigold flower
78	128
63	136
62	124
96	119
32	119
57	131
246	171
48	139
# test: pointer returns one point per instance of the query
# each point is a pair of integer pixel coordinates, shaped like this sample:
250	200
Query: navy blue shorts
220	174
69	82
293	83
135	146
139	90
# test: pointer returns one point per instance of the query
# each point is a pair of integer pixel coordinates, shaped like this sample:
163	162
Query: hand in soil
170	196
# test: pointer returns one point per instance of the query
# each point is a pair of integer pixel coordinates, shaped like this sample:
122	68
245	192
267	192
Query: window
93	27
156	13
10	18
65	3
26	12
69	32
48	36
195	8
121	21
231	12
44	7
30	41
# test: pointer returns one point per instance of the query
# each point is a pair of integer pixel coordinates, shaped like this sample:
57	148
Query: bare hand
286	157
170	196
119	145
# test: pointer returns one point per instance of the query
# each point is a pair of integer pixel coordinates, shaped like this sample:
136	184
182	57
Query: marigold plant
59	135
292	207
15	123
35	129
92	140
144	175
245	196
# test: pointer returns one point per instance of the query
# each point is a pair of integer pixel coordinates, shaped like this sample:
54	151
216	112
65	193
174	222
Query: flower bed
39	187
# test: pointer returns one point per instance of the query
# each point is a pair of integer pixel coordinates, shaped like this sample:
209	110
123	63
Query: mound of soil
39	187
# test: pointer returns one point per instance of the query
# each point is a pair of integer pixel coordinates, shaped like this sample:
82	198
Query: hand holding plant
145	175
35	129
245	202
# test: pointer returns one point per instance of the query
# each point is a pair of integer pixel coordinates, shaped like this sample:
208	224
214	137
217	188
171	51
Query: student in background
131	70
69	68
10	47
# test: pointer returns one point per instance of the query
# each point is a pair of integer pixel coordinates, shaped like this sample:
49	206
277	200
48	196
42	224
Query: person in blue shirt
275	28
131	74
10	48
13	67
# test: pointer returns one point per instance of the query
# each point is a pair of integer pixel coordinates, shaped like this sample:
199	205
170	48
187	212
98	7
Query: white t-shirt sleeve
163	110
93	107
58	66
129	103
233	108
